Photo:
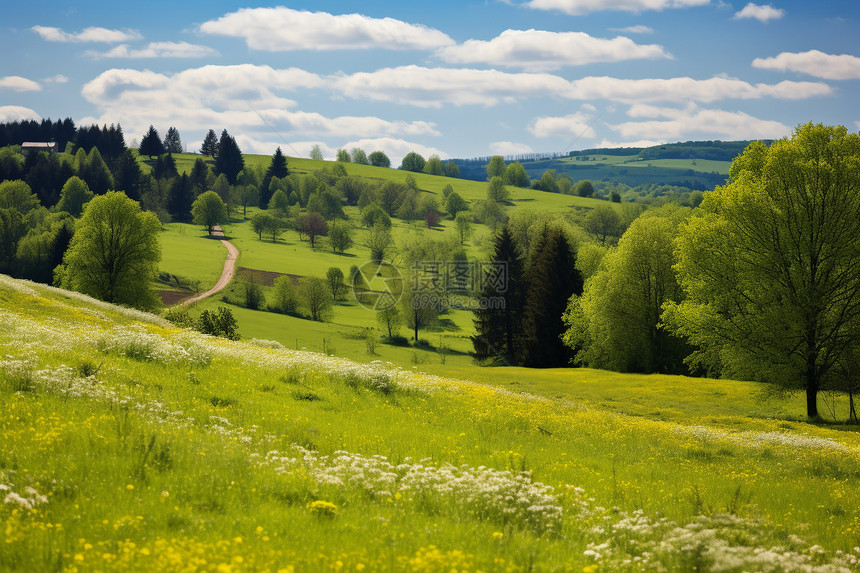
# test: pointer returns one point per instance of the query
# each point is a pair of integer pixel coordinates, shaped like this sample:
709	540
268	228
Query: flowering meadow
130	445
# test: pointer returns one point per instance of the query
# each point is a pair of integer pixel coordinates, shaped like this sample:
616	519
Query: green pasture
124	453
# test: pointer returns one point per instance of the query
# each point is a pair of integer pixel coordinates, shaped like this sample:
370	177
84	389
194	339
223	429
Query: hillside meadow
133	445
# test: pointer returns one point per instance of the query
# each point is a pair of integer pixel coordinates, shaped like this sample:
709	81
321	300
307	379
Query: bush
179	316
219	323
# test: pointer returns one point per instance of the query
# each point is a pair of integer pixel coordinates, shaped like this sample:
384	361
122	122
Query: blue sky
459	79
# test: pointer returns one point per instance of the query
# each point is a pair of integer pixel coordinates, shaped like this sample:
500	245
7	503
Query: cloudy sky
457	78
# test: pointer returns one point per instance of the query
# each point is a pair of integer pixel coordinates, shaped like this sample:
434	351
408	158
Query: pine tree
127	175
498	320
172	141
229	160
277	168
151	144
180	197
210	144
552	277
199	175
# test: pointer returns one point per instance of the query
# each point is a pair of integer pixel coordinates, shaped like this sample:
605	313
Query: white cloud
19	84
540	50
157	50
283	29
58	79
91	34
760	13
687	89
640	29
692	122
509	148
608	143
242	98
576	124
814	63
434	87
17	113
577	7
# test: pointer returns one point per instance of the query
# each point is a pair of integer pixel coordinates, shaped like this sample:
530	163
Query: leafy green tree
496	190
334	278
219	323
373	214
209	210
552	278
378	239
420	309
451	169
565	185
340	236
379	159
279	204
316	153
210	144
342	156
229	160
268	224
74	196
434	166
172	141
317	298
358	156
463	225
770	263
247	195
412	162
389	318
498	320
455	204
496	167
604	221
546	182
151	144
516	175
222	187
17	195
277	168
616	325
584	188
96	173
114	253
313	225
284	298
490	213
42	248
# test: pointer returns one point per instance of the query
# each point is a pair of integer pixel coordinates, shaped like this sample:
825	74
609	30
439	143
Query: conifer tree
172	141
127	175
552	278
151	144
229	160
498	320
277	168
210	144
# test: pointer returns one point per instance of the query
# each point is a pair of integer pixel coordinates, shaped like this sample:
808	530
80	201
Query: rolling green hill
132	445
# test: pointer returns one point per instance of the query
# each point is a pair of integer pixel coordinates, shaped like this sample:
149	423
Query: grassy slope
150	463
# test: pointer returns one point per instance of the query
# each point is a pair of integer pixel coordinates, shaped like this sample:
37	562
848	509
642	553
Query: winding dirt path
226	275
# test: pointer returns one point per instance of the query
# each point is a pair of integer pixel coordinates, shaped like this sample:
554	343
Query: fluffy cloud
577	124
19	84
540	50
688	89
244	98
814	63
577	7
91	34
760	13
434	87
157	50
509	148
640	29
17	113
692	122
284	29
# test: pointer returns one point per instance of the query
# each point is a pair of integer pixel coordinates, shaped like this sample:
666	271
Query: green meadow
132	445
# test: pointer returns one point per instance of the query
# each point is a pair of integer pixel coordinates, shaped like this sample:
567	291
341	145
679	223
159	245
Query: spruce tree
180	197
277	168
229	160
151	144
172	141
498	321
199	175
127	175
210	144
552	277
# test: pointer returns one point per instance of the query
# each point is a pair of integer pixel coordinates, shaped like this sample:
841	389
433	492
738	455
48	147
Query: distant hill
697	165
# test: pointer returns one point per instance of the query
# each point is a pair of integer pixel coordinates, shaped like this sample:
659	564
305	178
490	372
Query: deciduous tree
209	210
770	263
379	159
114	253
